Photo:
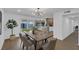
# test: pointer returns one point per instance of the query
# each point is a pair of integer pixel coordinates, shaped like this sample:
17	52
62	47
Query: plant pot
12	37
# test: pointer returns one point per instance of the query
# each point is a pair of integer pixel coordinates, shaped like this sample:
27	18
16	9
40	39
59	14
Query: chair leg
21	44
27	47
23	47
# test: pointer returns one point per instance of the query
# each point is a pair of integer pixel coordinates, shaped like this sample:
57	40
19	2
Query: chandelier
38	12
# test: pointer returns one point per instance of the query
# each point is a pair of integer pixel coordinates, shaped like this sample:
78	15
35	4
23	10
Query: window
27	25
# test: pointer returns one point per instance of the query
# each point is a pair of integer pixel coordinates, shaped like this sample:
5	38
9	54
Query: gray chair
25	42
49	45
30	38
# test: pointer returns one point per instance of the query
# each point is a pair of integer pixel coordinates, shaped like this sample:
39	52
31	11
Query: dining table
38	38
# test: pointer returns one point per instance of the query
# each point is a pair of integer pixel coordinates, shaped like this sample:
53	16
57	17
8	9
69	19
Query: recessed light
18	10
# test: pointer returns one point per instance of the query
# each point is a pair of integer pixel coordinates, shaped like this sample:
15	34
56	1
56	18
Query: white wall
1	36
17	29
63	26
78	34
67	27
57	28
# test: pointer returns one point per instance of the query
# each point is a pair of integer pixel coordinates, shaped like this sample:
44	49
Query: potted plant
11	24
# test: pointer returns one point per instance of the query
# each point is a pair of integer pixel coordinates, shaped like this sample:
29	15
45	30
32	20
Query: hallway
70	43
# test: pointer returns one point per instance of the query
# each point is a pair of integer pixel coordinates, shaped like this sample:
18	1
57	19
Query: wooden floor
15	45
70	43
11	44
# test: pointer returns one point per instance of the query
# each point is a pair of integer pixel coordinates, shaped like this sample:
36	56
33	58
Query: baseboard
68	36
1	43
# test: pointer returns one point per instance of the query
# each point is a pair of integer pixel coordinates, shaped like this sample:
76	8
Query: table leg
45	40
35	44
23	47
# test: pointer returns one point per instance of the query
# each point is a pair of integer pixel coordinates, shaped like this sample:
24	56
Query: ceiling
74	15
48	12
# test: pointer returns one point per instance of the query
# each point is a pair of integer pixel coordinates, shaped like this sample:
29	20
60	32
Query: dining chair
39	44
26	42
30	38
50	45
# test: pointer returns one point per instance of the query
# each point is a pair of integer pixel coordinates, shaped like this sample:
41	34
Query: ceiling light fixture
38	12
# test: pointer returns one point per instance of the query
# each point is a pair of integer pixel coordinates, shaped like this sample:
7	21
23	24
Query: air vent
67	11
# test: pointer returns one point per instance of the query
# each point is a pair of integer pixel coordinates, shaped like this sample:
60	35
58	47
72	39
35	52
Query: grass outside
26	30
